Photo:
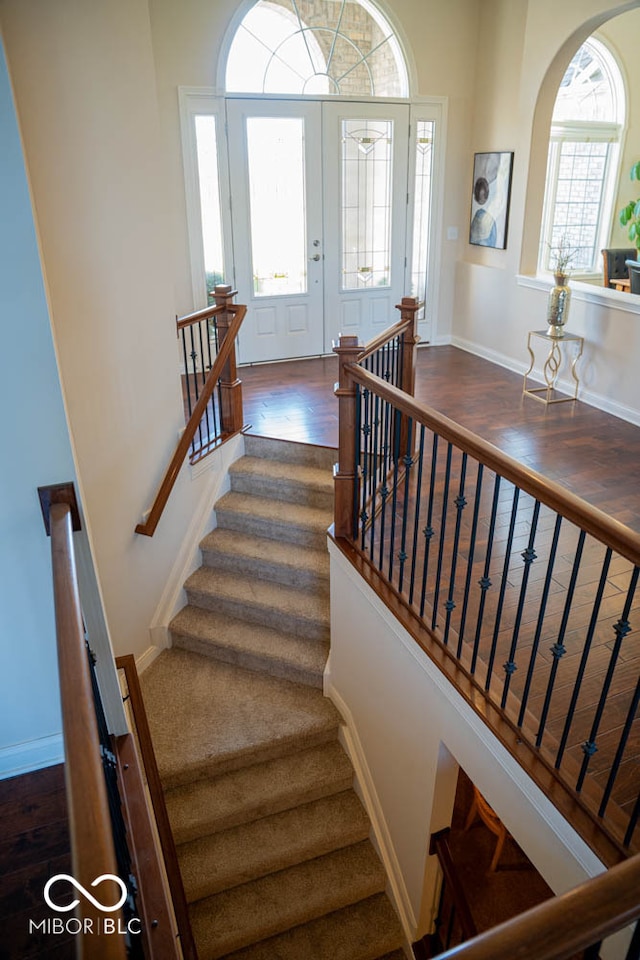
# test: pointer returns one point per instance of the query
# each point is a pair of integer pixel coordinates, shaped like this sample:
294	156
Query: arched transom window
316	47
587	124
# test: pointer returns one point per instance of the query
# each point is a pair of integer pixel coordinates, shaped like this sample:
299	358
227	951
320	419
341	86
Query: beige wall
85	86
493	311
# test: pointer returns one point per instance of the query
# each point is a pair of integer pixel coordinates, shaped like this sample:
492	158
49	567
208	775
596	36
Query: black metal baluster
558	649
376	423
622	743
443	525
633	822
585	655
621	629
194	366
408	463
394	499
356	486
364	480
633	953
400	342
203	373
528	556
541	615
428	531
485	581
460	503
384	490
187	385
503	586
416	519
472	547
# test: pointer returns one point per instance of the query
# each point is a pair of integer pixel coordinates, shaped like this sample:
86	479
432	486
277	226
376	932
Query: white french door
365	148
319	206
276	198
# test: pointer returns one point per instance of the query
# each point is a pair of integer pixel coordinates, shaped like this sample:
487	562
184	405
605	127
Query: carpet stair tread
273	904
363	931
275	519
290	451
250	645
269	559
236	856
260	790
227	717
273	604
293	482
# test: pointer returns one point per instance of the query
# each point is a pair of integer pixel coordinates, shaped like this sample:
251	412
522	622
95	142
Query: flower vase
558	305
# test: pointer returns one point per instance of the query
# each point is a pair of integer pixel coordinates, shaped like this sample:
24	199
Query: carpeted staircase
272	839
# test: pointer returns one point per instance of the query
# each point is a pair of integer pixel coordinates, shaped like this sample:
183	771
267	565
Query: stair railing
454	923
111	830
211	388
140	724
498	573
561	927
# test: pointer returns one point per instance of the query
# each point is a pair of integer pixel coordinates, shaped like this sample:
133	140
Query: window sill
586	293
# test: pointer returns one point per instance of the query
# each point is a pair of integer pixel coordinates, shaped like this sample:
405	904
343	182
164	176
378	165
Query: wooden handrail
224	354
558	928
128	665
439	846
408	308
213	310
593	521
92	849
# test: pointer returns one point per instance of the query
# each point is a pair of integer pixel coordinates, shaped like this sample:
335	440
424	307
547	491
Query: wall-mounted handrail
559	928
128	665
92	848
224	368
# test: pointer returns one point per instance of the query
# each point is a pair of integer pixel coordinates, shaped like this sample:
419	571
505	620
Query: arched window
587	124
304	47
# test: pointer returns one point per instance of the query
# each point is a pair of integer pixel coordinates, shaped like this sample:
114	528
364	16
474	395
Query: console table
569	346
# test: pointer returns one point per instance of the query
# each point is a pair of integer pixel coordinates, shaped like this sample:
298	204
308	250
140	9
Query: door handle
316	257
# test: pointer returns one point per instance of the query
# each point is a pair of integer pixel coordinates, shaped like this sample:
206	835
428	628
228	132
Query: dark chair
634	275
615	264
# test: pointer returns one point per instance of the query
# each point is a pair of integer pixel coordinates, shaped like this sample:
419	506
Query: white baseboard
188	559
31	755
620	410
151	653
366	790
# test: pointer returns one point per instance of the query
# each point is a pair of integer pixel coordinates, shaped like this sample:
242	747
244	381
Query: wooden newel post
345	475
231	415
408	308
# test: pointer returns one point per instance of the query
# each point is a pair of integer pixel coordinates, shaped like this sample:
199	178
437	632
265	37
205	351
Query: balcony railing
525	595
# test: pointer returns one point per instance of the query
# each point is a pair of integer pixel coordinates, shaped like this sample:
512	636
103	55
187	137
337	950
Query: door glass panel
275	148
422	209
367	161
209	187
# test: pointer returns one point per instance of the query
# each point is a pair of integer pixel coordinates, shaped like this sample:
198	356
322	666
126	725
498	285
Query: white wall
408	721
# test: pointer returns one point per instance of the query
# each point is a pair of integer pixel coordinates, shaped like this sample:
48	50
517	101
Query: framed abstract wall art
490	198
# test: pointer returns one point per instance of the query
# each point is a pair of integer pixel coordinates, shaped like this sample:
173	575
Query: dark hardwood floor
34	846
591	453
